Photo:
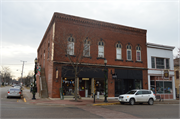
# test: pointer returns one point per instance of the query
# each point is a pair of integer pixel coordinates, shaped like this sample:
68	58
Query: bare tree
6	74
74	46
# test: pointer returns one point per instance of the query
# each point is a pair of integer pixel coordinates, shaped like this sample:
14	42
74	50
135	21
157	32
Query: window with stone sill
86	51
70	46
129	53
118	51
138	53
101	49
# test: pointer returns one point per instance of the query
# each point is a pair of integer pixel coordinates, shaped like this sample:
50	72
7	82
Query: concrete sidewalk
81	102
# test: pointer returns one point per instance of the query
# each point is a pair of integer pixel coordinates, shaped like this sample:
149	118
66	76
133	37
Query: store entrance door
81	87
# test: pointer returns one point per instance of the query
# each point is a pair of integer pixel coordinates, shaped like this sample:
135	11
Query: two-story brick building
124	48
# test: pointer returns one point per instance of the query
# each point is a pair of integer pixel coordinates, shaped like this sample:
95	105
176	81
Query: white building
161	70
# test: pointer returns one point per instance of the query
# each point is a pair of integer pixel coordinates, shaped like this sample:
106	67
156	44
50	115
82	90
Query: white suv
138	95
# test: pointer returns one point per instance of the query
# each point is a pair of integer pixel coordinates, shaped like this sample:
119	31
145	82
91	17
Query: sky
24	22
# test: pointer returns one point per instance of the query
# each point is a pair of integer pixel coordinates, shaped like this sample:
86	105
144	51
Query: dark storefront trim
126	80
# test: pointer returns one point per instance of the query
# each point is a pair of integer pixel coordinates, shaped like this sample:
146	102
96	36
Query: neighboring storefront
161	70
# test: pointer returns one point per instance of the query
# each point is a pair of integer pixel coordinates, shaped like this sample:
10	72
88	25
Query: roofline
158	46
89	21
97	22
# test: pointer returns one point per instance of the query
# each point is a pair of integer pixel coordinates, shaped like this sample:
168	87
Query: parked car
138	95
14	92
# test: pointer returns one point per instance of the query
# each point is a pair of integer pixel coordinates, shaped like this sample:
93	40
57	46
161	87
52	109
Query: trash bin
86	93
97	95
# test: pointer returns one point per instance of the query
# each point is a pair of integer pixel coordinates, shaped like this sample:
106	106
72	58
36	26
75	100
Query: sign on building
166	74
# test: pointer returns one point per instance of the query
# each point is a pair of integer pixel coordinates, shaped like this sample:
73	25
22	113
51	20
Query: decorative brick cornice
99	23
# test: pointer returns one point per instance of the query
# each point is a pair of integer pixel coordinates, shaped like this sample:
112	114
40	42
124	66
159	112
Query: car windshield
131	92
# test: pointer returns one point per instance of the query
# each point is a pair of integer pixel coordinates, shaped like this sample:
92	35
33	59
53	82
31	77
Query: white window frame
101	47
138	50
156	62
70	48
130	52
120	51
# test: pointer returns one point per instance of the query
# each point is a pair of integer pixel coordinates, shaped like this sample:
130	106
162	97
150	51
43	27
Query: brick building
68	38
177	75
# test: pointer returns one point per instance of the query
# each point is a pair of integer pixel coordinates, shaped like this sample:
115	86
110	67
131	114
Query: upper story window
129	52
118	51
159	63
70	46
138	53
101	49
86	51
177	74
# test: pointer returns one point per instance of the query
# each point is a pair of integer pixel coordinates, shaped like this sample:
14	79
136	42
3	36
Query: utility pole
22	70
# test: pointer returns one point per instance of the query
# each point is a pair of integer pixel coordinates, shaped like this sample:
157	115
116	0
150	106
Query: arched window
70	46
86	51
118	51
138	53
101	49
129	52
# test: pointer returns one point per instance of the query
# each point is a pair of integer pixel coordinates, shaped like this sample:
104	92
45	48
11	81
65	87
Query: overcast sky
24	22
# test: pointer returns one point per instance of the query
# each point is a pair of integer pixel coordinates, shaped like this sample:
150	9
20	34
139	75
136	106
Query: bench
160	98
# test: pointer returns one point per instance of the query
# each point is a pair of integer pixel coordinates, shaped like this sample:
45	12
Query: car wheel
122	103
151	102
131	102
7	97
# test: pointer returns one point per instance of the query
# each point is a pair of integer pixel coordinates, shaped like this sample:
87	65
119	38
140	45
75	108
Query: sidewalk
82	102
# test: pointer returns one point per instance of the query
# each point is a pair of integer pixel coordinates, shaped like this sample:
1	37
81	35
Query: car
14	92
17	87
138	95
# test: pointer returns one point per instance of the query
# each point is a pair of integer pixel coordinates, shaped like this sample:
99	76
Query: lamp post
105	96
34	87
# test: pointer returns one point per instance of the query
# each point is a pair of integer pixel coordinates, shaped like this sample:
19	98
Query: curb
116	103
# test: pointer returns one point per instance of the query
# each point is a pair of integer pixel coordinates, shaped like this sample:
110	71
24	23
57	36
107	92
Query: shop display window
138	84
68	86
163	87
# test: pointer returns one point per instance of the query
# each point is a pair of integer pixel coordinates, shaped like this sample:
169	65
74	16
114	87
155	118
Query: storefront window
138	84
159	87
167	87
163	87
68	86
99	86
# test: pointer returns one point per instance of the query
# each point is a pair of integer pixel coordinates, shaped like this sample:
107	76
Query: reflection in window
160	63
138	84
163	87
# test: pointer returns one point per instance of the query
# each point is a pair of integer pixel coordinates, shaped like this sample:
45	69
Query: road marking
24	99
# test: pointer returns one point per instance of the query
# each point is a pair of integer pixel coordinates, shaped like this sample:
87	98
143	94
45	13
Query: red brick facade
110	34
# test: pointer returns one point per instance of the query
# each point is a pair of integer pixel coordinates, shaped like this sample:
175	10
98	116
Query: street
17	108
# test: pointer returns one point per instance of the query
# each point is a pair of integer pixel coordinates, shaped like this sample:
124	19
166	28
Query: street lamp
105	71
34	87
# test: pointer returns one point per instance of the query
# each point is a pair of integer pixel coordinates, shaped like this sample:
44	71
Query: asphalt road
17	108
